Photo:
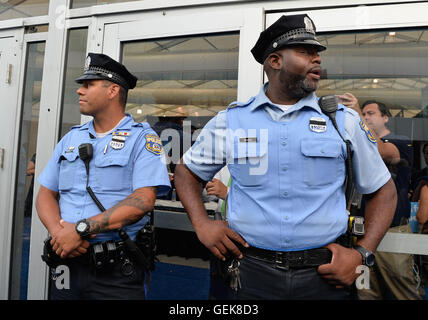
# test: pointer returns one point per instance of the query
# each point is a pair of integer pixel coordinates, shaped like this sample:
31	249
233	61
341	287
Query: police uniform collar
261	99
84	126
308	101
126	124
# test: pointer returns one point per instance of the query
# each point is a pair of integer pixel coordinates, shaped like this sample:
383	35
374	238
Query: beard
296	85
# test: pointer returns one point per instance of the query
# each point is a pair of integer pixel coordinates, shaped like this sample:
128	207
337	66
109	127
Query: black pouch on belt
49	256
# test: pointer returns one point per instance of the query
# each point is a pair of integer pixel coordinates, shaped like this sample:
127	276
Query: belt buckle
279	261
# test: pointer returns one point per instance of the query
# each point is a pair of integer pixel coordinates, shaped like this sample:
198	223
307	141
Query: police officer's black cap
102	67
286	31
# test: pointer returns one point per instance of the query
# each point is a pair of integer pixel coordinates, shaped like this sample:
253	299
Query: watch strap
365	254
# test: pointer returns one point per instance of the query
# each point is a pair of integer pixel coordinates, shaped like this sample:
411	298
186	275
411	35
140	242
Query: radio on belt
357	225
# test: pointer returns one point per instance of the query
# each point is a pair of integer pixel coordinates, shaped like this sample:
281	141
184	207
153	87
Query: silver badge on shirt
117	142
317	124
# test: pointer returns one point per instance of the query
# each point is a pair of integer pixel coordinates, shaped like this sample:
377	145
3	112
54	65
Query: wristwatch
82	228
368	256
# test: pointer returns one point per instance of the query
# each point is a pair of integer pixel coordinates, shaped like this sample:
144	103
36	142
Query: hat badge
87	63
308	24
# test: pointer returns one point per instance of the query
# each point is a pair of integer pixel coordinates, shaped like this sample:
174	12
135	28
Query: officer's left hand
341	271
67	242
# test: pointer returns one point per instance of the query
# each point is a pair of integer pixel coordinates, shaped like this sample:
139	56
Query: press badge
317	124
117	142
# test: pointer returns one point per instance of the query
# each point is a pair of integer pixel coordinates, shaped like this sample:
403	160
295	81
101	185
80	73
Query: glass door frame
27	41
8	179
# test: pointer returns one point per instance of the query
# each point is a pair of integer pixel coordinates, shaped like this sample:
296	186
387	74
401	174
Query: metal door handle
2	158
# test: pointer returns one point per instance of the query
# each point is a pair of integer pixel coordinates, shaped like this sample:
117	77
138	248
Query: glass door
23	208
10	54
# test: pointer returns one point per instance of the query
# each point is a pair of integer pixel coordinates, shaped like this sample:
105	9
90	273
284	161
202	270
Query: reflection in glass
183	83
87	3
389	66
36	29
12	9
76	54
182	77
25	174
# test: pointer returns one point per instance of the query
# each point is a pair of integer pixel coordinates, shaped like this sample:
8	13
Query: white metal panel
10	58
161	25
404	243
168	5
363	17
250	72
17	23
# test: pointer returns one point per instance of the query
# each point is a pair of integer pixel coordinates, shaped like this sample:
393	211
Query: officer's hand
342	270
66	240
80	250
218	238
216	188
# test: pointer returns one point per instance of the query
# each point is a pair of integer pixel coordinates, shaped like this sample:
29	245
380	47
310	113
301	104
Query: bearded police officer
286	201
103	177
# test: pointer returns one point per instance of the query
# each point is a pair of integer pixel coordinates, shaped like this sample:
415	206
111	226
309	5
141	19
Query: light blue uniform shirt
288	170
114	173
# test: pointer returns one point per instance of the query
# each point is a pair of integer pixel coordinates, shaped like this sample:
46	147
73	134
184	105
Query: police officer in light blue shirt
125	173
286	204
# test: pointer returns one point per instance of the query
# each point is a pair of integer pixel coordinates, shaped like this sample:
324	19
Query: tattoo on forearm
103	224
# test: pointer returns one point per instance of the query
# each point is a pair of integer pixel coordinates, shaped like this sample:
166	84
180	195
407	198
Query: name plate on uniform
117	142
249	139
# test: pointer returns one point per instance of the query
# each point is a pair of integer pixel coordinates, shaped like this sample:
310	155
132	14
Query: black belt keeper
291	259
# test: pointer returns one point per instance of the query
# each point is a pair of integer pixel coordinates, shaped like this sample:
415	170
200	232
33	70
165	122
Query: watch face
370	259
81	227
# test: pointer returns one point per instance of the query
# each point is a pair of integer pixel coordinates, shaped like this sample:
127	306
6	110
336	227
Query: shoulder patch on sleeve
366	130
153	144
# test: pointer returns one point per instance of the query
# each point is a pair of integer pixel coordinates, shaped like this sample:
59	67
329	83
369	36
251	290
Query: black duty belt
98	254
291	259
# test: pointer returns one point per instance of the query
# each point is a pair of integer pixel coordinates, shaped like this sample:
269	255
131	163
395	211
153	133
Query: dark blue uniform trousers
263	281
86	284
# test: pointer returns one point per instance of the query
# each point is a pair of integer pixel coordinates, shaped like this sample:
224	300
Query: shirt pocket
249	167
112	173
67	171
323	163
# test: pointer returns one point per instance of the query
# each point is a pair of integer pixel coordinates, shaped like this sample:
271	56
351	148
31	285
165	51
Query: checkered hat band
111	76
295	34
